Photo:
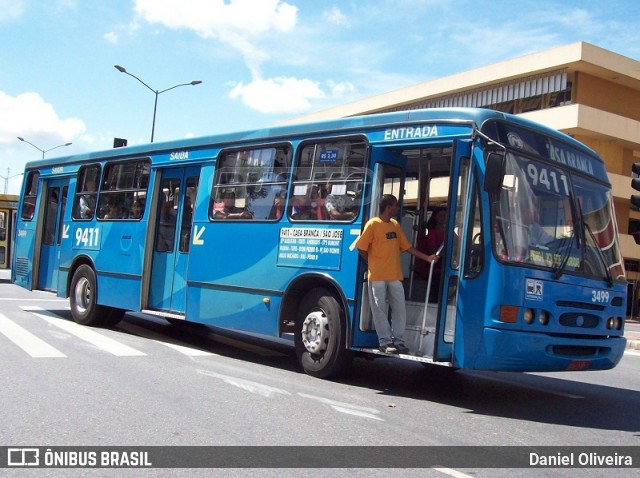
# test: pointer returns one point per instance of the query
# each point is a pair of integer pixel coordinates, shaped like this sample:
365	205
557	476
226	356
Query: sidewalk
633	340
633	337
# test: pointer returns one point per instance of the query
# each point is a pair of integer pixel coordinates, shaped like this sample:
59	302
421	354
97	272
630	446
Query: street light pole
43	150
7	177
121	69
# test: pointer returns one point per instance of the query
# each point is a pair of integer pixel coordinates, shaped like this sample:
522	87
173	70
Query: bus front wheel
84	309
320	338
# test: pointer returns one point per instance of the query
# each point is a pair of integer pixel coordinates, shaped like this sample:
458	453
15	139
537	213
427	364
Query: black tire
84	309
320	337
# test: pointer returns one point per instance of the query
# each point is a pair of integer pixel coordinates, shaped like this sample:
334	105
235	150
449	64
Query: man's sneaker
402	348
388	349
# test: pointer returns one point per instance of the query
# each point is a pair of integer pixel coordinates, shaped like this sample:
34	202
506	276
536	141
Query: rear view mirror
494	172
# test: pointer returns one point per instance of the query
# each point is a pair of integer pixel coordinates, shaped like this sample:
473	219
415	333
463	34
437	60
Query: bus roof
353	124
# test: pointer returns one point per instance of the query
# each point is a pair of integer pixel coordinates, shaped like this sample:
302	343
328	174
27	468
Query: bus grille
574	350
585	321
579	305
22	266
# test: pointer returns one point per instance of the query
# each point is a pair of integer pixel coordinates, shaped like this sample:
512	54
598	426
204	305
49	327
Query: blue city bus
254	232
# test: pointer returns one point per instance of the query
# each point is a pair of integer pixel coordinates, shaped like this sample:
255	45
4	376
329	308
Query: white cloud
336	17
213	18
11	9
278	95
111	37
30	116
238	23
342	89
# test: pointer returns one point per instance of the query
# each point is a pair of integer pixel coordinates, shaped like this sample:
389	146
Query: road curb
633	340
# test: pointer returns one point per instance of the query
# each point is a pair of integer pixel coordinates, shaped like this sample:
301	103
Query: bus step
414	358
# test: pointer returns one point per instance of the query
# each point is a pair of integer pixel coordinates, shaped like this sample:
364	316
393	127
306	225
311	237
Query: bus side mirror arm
494	172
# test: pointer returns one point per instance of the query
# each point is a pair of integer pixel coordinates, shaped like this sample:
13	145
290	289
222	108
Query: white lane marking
32	300
153	336
88	335
28	342
186	350
347	408
454	473
248	385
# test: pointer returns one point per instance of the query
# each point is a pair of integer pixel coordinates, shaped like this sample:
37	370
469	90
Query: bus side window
187	213
86	196
329	179
251	184
475	245
53	198
30	195
124	190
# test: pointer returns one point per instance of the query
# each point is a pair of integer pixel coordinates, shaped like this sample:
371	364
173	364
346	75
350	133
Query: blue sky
260	61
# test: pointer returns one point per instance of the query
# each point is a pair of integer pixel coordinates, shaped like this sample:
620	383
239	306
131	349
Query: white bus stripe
28	342
88	335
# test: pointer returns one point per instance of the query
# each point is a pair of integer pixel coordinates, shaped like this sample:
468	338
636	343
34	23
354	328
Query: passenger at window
87	202
227	208
113	210
311	208
278	205
136	210
340	206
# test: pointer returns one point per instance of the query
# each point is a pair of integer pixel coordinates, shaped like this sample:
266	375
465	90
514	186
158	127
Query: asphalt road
148	383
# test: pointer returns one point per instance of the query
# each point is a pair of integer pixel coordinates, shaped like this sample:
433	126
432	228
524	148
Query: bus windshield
551	218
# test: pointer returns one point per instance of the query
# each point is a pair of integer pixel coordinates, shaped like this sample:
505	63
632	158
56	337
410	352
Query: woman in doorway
429	244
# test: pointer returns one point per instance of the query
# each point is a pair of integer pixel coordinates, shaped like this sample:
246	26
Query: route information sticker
312	247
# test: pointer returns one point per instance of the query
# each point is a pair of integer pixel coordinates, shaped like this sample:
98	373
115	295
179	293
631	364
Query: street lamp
7	177
121	69
44	150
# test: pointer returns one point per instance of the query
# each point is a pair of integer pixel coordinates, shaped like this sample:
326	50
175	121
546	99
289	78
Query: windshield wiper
558	271
576	214
584	226
599	254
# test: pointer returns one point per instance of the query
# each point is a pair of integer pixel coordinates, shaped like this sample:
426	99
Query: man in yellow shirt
380	245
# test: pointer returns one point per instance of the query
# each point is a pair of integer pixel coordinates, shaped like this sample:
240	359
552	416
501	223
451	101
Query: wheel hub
315	332
82	294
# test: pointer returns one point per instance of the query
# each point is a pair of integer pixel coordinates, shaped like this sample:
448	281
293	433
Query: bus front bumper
519	351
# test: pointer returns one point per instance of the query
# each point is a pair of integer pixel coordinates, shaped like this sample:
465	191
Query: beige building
585	91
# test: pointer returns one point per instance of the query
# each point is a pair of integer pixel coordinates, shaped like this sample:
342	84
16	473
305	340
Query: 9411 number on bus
600	296
87	237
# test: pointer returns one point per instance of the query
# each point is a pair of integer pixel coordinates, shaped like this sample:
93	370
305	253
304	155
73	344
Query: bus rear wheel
320	338
84	309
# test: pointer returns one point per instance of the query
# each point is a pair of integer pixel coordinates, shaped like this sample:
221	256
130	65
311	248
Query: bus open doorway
422	180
